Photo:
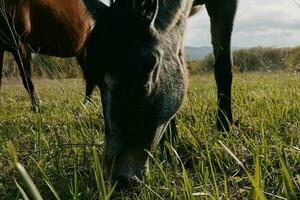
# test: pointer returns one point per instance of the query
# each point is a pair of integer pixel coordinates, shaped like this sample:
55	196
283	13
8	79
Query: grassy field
258	159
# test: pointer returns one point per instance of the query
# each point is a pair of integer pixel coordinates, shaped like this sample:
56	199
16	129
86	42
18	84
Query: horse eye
142	91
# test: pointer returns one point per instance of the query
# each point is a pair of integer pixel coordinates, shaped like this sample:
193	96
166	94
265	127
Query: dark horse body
51	27
144	81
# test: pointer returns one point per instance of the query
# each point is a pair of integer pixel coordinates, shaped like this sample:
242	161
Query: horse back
53	27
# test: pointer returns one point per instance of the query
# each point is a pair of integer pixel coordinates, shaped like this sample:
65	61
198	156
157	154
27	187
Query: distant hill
198	53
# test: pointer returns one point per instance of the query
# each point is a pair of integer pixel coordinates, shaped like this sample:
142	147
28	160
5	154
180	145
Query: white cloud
258	22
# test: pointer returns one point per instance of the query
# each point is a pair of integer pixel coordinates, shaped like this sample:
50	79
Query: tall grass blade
148	187
258	190
226	193
186	182
11	151
212	170
257	174
47	180
99	175
187	185
288	180
21	190
76	184
104	192
159	167
35	194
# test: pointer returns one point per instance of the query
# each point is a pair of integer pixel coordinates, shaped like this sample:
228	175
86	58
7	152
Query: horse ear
147	11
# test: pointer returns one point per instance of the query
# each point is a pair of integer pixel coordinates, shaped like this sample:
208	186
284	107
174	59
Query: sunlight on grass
60	149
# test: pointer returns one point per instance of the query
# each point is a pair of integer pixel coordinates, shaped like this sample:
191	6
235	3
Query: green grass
61	147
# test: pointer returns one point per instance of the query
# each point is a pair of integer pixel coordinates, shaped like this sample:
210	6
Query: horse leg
90	85
222	13
23	59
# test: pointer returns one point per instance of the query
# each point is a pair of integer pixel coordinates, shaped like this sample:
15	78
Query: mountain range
198	53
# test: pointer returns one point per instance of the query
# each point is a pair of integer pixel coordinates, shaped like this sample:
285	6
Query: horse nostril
123	182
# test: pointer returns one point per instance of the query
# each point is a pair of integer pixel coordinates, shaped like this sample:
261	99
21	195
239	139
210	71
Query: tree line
254	59
245	60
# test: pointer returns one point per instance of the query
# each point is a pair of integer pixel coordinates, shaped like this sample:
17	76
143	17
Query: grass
61	147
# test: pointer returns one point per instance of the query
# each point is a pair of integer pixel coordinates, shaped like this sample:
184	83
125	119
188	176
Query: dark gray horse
144	81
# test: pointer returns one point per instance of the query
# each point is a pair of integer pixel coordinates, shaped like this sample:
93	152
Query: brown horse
50	27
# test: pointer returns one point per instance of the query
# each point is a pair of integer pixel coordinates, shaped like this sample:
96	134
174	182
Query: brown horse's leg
23	59
222	14
90	85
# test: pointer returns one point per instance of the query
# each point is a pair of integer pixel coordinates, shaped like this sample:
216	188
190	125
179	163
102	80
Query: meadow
61	147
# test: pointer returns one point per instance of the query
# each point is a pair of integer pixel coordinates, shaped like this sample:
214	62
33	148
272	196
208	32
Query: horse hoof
224	127
35	109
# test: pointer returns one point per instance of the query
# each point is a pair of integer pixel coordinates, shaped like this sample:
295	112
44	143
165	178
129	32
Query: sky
273	23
